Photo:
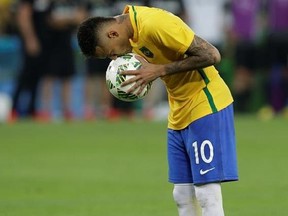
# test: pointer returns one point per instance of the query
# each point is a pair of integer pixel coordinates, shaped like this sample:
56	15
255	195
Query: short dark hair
88	34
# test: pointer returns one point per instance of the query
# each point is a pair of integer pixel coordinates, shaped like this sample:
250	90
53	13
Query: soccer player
201	138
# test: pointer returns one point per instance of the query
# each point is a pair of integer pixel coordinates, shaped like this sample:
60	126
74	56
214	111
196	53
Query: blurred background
44	77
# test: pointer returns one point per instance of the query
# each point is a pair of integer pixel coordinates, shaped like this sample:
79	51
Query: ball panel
114	79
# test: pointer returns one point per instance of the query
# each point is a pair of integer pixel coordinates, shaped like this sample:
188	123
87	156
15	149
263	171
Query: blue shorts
204	151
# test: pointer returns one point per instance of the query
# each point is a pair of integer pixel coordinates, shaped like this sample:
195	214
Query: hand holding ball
114	79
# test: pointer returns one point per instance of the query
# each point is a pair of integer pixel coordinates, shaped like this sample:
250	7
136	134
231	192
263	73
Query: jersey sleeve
172	32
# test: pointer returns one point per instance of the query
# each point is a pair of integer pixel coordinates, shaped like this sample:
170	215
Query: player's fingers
141	59
141	88
135	87
129	72
129	81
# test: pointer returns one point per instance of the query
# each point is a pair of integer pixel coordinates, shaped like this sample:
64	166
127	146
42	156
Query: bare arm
26	28
200	54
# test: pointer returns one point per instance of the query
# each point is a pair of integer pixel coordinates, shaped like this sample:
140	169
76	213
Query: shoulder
156	18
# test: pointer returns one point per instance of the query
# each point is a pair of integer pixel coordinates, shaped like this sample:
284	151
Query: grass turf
120	168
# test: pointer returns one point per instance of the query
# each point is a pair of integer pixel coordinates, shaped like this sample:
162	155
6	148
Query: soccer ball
114	79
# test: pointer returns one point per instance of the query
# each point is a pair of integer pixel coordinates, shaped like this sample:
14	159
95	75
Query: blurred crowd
251	35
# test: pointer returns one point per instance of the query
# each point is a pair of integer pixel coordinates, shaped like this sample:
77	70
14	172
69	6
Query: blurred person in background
174	6
276	87
245	34
212	27
209	19
97	99
32	20
62	20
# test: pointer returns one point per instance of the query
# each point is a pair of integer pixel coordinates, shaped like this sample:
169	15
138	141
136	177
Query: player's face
112	47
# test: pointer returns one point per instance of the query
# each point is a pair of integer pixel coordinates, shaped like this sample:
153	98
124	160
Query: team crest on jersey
146	52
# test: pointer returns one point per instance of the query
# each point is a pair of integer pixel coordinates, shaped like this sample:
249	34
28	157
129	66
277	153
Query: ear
113	34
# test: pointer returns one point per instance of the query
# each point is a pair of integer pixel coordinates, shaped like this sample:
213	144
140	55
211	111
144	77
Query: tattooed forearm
200	54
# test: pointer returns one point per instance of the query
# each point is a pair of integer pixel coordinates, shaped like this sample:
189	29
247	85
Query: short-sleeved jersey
161	38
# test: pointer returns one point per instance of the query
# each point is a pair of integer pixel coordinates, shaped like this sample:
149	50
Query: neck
125	20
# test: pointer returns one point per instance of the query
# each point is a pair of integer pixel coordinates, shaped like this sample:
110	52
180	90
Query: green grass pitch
120	169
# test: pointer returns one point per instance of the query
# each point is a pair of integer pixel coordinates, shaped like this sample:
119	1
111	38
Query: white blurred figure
207	19
5	107
173	6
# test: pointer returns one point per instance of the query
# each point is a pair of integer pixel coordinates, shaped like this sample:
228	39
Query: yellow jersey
161	38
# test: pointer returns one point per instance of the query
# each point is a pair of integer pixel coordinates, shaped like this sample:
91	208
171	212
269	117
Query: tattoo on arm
200	54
